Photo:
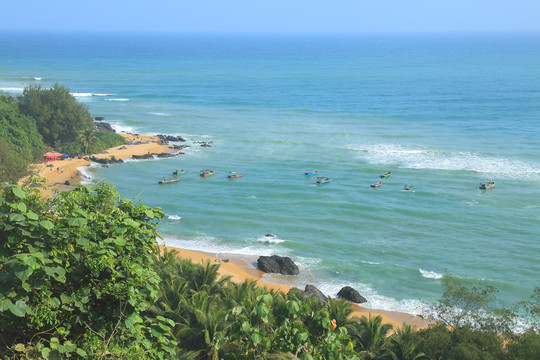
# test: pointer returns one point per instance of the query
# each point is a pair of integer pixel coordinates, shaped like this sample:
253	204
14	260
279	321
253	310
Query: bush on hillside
76	276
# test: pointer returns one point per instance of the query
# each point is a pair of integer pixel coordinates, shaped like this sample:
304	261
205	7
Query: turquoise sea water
443	113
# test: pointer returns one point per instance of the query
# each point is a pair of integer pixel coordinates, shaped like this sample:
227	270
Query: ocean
441	112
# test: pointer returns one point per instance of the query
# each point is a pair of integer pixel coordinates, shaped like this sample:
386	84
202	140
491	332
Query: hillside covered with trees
42	119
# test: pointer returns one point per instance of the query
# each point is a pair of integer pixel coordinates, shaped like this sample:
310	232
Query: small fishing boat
487	185
376	185
323	180
179	172
234	175
311	172
408	187
386	174
168	181
207	172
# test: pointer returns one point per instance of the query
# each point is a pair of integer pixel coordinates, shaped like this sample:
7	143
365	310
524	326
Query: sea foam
414	158
430	274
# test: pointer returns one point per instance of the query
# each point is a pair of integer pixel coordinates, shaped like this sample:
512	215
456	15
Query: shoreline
239	267
69	169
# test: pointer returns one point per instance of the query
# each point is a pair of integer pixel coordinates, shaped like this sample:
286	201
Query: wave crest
389	154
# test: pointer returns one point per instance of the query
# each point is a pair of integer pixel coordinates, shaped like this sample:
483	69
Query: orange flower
334	325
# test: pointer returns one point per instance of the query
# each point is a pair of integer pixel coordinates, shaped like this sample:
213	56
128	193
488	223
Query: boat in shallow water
168	181
234	175
323	180
207	172
487	185
386	174
376	185
179	172
311	172
408	187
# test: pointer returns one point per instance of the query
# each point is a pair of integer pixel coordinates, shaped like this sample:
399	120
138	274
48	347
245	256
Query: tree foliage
59	117
76	275
20	142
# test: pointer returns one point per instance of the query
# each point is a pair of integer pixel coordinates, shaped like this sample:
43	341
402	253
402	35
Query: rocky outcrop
310	292
112	160
350	294
277	264
143	157
170	138
103	126
165	155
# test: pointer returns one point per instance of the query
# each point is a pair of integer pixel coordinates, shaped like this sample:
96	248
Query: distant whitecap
430	274
119	99
81	94
271	239
414	158
174	217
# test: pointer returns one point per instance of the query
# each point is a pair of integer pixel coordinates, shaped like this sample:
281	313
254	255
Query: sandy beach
67	169
238	267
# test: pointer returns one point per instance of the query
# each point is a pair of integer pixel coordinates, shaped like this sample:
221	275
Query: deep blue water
441	112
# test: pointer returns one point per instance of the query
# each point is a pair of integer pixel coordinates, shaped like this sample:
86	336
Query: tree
76	275
402	345
87	138
370	335
12	165
464	305
58	115
21	132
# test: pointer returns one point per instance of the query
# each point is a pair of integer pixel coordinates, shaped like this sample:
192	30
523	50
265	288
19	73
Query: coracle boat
386	174
323	180
311	172
234	175
408	187
179	172
207	172
487	185
376	185
168	181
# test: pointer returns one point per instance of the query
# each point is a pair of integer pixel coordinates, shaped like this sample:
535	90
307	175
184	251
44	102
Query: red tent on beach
50	156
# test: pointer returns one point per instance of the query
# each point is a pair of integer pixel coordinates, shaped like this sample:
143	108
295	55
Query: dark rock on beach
165	155
179	147
112	160
170	138
277	264
310	292
350	294
103	126
143	157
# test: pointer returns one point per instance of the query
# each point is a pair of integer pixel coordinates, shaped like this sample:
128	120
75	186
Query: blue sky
276	16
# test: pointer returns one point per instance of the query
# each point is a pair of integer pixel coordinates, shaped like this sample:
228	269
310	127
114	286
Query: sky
275	16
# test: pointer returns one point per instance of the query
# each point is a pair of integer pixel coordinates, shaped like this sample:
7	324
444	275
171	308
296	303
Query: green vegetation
20	142
45	116
58	116
81	277
76	275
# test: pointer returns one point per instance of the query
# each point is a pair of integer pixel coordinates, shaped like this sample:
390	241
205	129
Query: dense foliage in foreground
81	277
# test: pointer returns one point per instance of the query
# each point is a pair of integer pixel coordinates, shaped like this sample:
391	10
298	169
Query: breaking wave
414	158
